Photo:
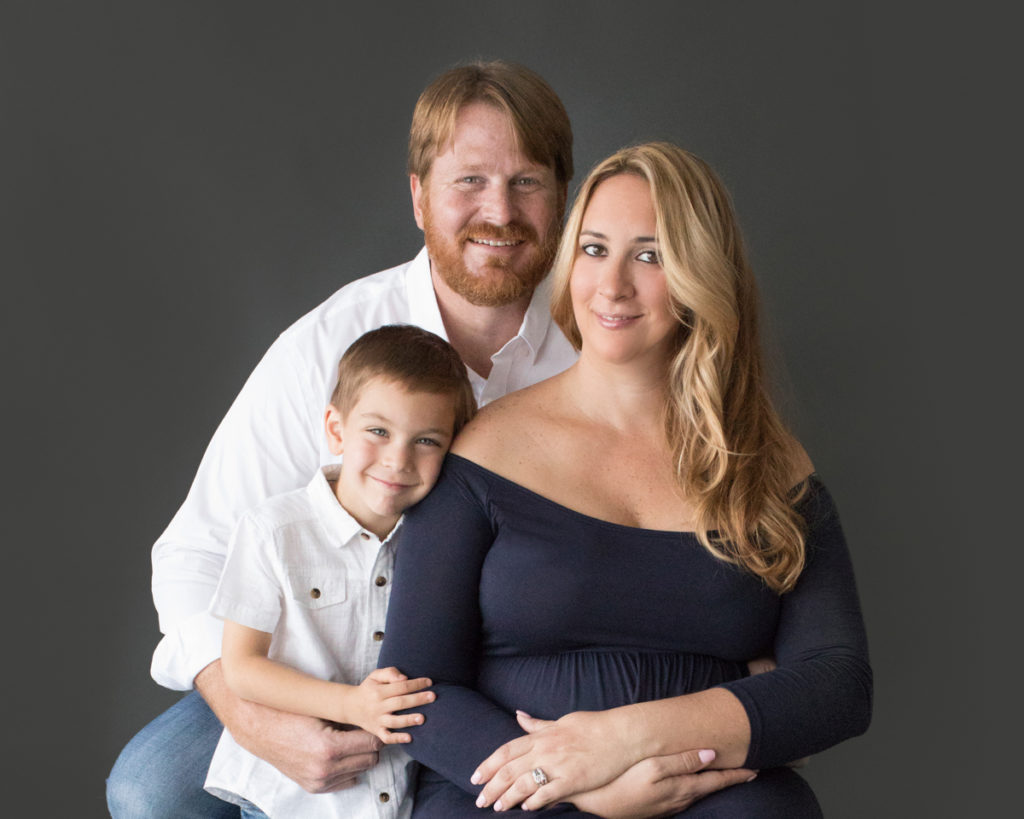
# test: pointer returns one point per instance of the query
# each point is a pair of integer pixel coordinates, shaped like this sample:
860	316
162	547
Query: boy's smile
393	442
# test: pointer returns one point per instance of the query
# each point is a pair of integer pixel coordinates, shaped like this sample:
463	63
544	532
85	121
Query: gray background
180	181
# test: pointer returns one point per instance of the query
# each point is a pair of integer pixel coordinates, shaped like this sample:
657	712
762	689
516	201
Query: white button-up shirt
302	569
272	440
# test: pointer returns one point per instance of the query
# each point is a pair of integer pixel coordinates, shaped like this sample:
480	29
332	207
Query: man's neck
477	332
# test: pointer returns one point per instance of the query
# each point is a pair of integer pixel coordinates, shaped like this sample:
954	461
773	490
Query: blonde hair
414	358
731	452
534	111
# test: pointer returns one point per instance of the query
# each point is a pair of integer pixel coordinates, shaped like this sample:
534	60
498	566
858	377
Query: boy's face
394	442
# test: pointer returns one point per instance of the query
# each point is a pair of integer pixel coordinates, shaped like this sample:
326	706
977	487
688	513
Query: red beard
501	281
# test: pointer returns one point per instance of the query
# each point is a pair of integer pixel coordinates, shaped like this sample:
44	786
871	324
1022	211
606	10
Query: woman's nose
616	283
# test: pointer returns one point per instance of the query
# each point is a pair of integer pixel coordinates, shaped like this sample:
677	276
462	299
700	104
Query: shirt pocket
315	588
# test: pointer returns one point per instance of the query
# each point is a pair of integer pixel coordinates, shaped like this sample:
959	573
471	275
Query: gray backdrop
180	181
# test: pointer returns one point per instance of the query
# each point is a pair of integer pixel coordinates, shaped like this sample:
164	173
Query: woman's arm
251	675
434	628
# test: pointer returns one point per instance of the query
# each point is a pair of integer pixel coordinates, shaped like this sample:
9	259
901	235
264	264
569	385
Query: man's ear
333	423
416	188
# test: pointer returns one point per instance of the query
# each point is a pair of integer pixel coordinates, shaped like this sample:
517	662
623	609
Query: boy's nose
398	458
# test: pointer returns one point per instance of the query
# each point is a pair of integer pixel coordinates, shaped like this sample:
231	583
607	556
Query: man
490	159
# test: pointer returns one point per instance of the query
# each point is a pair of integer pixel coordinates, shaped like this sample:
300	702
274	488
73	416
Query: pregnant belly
549	686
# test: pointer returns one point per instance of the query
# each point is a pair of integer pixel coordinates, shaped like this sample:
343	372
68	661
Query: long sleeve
821	693
267	444
434	630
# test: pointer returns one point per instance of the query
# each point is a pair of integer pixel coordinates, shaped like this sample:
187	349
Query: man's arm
267	444
319	756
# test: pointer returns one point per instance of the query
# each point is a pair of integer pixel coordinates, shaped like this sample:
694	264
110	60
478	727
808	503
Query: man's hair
534	110
414	358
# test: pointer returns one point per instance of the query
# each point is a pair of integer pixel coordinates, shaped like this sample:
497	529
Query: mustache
512	232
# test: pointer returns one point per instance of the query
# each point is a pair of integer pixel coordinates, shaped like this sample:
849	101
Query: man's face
490	216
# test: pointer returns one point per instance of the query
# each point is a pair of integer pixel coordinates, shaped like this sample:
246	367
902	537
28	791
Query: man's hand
660	785
320	756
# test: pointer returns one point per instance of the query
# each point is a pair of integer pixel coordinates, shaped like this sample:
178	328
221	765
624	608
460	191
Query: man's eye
471	180
526	181
592	249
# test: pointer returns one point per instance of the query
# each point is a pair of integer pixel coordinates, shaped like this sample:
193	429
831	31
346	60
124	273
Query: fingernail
475	780
480	801
706	756
497	805
752	778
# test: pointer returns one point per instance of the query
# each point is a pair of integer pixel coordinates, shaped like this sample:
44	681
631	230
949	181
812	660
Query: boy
304	591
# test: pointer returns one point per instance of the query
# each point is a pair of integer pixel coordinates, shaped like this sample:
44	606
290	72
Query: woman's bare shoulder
503	432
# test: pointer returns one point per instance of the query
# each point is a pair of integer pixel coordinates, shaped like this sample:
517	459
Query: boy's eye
428	441
380	431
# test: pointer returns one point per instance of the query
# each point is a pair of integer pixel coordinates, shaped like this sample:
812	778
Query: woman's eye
593	250
649	256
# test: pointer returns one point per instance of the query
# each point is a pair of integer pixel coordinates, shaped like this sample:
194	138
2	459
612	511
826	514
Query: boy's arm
251	675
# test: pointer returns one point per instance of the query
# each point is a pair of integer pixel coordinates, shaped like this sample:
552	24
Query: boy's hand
374	702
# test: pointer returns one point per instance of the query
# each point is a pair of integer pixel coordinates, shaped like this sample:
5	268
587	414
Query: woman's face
619	295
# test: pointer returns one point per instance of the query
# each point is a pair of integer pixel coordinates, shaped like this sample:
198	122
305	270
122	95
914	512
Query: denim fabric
160	772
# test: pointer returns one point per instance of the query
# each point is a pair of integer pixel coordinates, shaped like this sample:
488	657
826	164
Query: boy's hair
416	359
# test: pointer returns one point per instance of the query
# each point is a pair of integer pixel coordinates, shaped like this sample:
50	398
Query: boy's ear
333	423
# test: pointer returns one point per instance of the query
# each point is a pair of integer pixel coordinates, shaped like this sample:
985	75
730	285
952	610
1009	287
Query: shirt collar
425	312
423	308
537	321
340	525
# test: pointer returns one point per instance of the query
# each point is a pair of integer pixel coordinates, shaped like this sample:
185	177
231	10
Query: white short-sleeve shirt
302	569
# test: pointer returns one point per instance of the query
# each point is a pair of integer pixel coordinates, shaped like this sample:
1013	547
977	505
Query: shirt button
314	593
378	636
380	581
384	796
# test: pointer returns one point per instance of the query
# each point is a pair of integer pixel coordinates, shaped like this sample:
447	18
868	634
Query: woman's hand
580	752
660	785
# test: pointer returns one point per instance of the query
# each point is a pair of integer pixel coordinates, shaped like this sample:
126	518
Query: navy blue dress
508	600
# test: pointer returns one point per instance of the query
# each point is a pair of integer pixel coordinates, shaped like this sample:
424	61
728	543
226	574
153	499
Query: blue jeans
160	772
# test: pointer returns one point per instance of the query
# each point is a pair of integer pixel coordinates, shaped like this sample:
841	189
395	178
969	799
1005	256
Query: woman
608	548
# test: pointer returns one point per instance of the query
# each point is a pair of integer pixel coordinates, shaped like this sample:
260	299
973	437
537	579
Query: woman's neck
621	396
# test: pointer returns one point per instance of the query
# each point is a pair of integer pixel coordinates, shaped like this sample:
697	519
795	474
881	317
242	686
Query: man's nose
498	205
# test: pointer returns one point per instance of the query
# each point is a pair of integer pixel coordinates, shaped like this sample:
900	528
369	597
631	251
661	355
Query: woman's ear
334	422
